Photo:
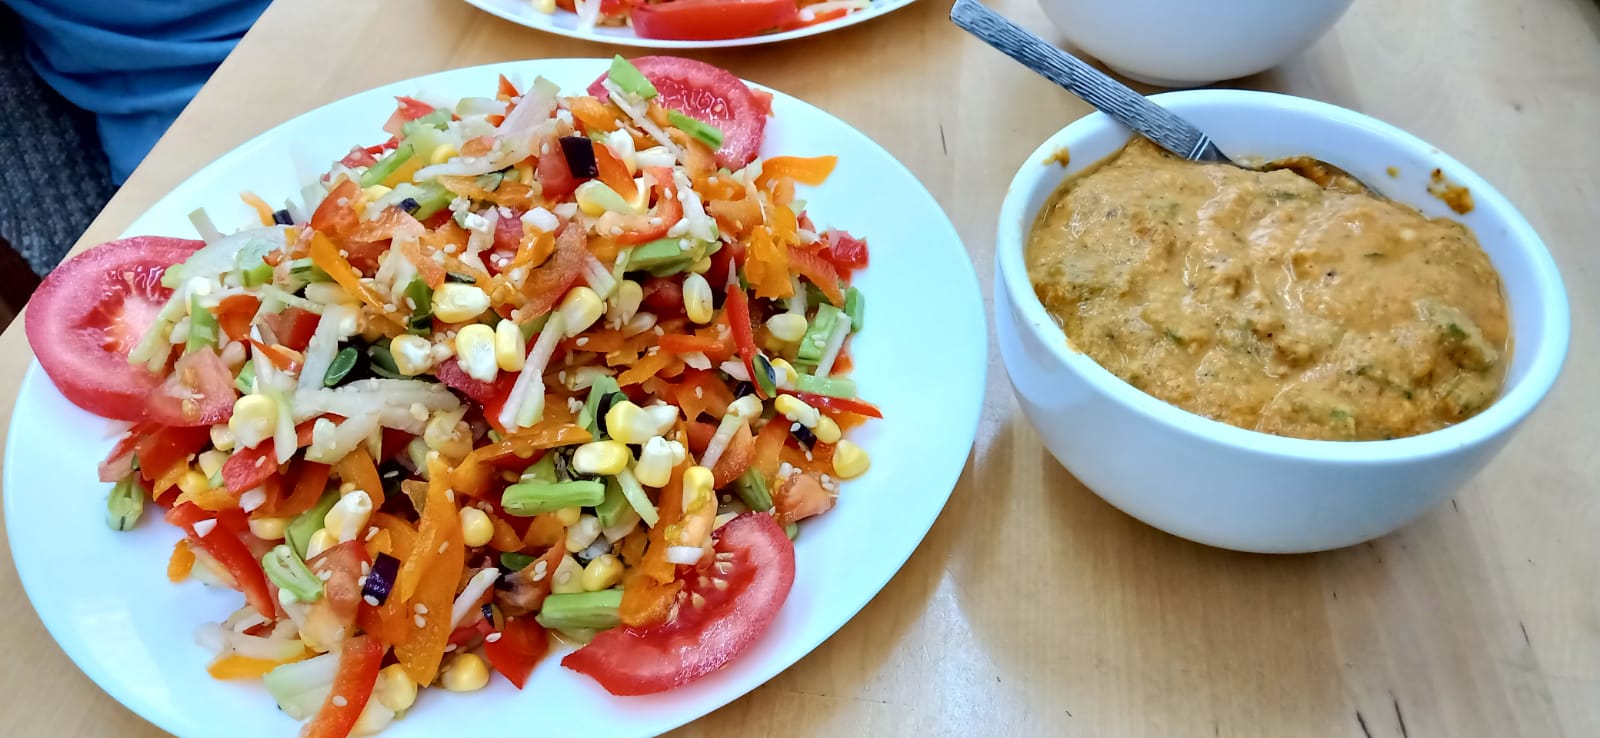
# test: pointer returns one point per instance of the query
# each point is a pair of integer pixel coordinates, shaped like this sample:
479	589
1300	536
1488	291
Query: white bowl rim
1514	404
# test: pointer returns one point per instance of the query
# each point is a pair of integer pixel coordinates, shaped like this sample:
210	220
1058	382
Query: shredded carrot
646	367
181	563
263	210
234	666
326	256
476	472
805	170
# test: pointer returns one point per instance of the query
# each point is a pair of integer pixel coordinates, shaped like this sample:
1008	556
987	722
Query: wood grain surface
1033	608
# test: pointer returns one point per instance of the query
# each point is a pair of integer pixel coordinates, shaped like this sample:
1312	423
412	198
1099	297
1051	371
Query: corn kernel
603	572
629	423
580	309
443	153
211	462
193	482
655	462
269	529
475	350
348	517
697	483
395	689
607	458
466	673
320	541
787	376
747	407
827	431
413	355
458	303
376	191
787	327
701	265
849	460
569	515
476	529
625	303
222	437
548	7
568	578
663	418
595	198
373	719
697	299
448	435
510	353
254	418
583	534
797	411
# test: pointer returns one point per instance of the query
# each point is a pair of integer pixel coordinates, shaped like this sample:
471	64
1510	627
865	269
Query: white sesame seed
443	546
794	427
809	457
492	637
450	495
420	609
449	647
421	622
724	567
369	599
366	569
583	341
324	575
362	581
339	700
697	599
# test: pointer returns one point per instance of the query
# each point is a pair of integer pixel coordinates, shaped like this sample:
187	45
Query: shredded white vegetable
526	401
468	599
830	352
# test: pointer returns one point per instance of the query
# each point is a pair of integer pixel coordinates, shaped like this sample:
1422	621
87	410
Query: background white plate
566	24
103	595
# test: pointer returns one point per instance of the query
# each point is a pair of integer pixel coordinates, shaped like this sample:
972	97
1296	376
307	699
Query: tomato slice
845	250
709	94
92	310
709	20
293	327
519	647
199	391
799	497
701	638
341	591
549	283
336	215
555	177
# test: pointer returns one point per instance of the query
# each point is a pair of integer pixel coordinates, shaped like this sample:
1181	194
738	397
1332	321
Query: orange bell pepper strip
263	210
181	563
505	537
401	532
431	272
819	271
805	170
357	468
592	114
211	499
614	173
326	256
736	459
428	578
234	314
646	367
647	227
545	530
736	216
234	666
766	266
769	447
476	472
311	481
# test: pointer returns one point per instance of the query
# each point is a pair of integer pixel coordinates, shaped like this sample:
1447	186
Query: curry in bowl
1271	302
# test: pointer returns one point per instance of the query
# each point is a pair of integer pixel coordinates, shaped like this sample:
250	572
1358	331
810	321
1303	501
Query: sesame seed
450	495
794	427
583	341
699	392
366	569
809	457
492	637
724	567
697	599
324	575
369	599
445	545
372	531
724	556
720	584
421	622
339	700
449	647
362	581
420	609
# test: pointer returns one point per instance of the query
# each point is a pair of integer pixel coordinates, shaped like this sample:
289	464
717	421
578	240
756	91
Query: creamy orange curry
1265	301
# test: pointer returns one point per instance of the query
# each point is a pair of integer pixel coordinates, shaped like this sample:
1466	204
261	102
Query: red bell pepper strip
738	308
840	404
359	663
224	545
519	647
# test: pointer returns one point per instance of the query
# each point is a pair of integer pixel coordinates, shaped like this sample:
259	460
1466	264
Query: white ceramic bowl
1180	43
1225	486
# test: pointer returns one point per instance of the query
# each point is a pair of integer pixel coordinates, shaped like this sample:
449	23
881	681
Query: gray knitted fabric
53	175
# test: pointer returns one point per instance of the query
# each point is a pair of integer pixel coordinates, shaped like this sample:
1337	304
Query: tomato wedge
92	310
704	637
293	327
709	20
549	283
708	94
198	392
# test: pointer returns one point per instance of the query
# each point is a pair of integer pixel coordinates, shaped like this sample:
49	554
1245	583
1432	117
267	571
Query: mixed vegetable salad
703	20
537	364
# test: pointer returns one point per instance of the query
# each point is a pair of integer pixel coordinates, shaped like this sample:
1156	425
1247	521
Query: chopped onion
830	353
347	436
735	369
529	387
203	225
684	554
467	601
338	322
227	253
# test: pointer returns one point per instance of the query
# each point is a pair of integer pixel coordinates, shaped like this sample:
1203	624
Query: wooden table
1033	608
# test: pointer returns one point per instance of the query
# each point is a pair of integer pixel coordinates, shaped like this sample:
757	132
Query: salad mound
537	365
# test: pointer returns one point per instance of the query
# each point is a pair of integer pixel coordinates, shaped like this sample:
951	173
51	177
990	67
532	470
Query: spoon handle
1077	77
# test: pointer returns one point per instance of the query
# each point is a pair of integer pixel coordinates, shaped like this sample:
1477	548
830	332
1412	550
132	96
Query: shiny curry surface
1265	301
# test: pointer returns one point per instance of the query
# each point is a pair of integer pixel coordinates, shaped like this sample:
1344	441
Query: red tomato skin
663	296
293	326
117	284
711	20
709	94
342	589
636	661
846	251
555	177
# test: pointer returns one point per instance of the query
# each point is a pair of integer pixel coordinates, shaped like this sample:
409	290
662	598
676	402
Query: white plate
103	595
565	23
